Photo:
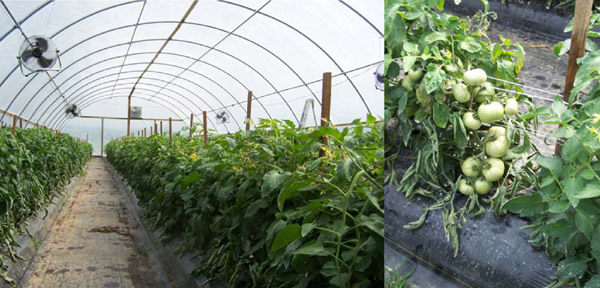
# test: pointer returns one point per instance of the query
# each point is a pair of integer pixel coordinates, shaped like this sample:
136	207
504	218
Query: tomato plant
459	116
564	208
35	166
262	207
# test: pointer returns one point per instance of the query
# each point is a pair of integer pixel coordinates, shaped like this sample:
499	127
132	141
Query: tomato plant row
35	166
261	207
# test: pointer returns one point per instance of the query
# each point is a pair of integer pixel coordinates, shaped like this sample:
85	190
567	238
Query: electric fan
222	117
38	54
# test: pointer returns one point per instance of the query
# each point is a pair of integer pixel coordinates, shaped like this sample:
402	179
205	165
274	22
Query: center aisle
95	242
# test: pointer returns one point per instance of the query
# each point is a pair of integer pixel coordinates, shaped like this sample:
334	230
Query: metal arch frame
227	34
137	22
25	19
362	17
159	63
94	93
108	97
282	22
136	71
185	41
66	120
76	96
62	121
309	39
155	71
57	33
54	114
148	40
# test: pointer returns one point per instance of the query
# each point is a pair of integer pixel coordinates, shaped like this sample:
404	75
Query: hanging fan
379	78
72	111
38	54
222	117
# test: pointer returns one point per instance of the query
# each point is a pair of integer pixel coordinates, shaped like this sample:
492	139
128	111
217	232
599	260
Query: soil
96	242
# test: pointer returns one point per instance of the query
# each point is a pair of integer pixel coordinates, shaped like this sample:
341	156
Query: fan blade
27	54
42	43
45	63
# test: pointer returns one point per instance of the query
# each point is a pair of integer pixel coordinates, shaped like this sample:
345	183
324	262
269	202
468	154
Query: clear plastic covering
186	57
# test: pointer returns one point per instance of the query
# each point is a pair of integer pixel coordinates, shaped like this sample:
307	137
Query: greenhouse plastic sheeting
277	49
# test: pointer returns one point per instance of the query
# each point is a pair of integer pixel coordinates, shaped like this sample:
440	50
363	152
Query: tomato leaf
441	114
286	236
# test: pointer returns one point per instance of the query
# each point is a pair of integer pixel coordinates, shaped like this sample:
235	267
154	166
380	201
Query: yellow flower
194	156
596	117
592	130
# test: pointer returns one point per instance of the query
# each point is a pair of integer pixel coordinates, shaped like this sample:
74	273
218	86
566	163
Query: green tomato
408	84
470	167
461	94
489	113
484	92
482	186
497	142
464	187
448	85
474	77
493	169
470	121
415	75
511	107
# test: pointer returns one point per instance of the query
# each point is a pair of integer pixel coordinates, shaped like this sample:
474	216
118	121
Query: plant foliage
261	207
35	166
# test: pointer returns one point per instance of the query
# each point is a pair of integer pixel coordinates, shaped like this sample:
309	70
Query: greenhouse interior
191	143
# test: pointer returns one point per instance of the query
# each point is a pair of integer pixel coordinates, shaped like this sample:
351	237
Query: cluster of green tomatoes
484	169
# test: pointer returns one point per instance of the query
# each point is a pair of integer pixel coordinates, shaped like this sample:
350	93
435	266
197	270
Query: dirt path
95	242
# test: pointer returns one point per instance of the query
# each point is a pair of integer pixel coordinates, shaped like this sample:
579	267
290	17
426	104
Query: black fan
222	117
72	111
37	54
379	77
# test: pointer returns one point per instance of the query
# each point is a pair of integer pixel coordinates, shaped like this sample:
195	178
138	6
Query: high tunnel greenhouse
191	143
182	58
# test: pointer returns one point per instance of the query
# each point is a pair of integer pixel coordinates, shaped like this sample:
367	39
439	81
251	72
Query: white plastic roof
278	49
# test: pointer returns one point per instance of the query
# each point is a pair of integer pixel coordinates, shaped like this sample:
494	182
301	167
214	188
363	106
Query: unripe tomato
489	113
464	187
408	84
482	186
461	94
493	169
448	85
511	107
497	142
470	167
484	92
415	74
474	77
470	121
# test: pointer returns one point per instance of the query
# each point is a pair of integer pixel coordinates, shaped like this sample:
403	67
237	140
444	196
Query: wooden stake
155	128
205	128
170	131
160	127
191	124
325	107
14	127
21	123
581	21
144	131
249	111
151	131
